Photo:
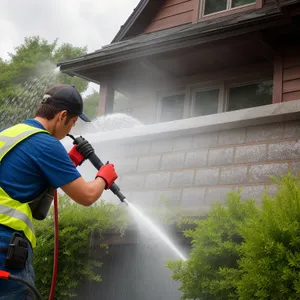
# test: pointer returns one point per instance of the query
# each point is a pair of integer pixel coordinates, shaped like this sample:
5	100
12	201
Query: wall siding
173	13
196	170
291	75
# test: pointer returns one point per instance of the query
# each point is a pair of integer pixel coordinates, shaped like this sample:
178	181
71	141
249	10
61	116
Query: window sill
285	111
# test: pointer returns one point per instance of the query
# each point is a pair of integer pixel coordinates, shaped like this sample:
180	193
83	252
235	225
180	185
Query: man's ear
62	115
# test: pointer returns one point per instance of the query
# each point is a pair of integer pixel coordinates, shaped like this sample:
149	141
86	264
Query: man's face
64	125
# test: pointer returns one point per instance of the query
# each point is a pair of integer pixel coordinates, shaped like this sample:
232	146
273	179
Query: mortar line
224	146
220	166
265	183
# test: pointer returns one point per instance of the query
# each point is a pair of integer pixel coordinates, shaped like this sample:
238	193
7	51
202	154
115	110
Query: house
170	54
217	85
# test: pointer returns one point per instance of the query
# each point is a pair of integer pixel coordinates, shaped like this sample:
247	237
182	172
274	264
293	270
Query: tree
28	72
90	106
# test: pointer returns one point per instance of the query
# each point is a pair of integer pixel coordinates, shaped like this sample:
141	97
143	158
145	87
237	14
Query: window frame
228	11
170	93
204	88
190	91
241	83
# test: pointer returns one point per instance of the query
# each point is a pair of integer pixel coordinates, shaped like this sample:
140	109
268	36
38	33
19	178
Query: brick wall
194	170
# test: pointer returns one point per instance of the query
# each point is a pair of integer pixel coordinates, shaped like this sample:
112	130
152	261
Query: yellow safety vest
13	213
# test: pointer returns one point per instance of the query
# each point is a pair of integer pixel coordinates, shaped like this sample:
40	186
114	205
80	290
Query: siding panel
291	75
174	2
173	13
174	10
291	96
291	60
291	86
171	22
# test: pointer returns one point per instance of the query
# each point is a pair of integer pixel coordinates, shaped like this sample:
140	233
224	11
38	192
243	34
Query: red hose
55	260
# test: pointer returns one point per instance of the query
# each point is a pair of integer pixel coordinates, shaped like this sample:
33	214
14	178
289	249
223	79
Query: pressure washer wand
97	163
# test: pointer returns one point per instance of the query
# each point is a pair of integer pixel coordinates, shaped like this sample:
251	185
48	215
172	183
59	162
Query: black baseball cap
65	97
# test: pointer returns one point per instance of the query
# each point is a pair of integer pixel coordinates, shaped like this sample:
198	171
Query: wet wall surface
193	171
134	272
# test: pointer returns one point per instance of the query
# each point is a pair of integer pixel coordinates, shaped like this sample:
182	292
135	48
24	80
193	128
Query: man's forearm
94	190
85	193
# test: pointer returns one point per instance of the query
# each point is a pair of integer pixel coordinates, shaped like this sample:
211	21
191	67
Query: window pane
250	95
172	108
121	103
236	3
206	103
213	6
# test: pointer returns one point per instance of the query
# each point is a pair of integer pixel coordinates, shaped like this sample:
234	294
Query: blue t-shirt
34	164
31	166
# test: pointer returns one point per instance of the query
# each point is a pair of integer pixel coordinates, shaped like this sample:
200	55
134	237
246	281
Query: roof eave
181	41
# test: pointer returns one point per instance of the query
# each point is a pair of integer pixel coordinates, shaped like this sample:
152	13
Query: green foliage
211	270
28	72
244	250
76	225
270	264
91	104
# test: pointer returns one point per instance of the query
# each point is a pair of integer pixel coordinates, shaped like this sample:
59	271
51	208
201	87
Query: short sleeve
55	163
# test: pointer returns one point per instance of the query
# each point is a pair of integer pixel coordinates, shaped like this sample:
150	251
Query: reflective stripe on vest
13	213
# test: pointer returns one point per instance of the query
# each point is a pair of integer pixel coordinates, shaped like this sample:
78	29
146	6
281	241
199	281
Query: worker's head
61	106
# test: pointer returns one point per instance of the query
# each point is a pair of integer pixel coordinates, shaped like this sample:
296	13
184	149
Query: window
251	95
206	103
121	103
212	98
214	6
172	108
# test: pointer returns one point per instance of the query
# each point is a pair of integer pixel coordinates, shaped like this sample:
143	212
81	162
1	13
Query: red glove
76	157
108	173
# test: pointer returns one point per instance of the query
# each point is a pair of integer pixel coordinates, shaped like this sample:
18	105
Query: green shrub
270	265
212	269
76	224
244	250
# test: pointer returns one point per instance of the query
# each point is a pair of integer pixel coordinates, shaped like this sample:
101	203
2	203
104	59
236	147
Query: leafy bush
212	269
243	250
76	224
270	265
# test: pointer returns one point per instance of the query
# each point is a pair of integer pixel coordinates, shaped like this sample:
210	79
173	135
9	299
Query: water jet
97	163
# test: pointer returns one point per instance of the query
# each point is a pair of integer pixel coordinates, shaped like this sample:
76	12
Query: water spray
97	163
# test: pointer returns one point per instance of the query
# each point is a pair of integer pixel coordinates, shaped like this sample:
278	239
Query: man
31	160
